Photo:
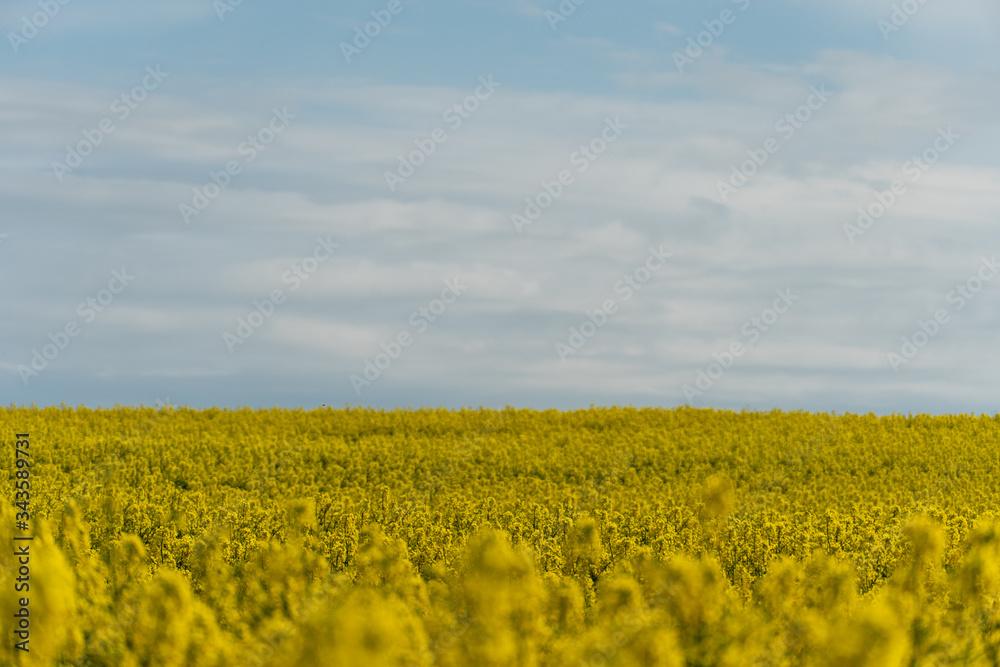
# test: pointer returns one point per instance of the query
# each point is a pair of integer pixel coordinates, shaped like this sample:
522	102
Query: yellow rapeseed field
492	538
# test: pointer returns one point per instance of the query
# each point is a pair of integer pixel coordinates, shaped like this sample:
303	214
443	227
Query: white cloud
656	185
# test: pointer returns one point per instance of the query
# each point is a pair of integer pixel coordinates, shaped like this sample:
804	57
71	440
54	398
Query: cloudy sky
787	204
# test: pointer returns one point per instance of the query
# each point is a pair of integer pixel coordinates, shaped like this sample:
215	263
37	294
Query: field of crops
515	537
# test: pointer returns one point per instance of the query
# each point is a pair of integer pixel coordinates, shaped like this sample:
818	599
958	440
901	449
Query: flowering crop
611	536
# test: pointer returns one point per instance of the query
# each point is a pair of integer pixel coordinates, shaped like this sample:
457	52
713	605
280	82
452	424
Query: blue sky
606	218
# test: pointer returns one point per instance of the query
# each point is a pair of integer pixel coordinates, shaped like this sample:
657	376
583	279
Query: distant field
434	537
